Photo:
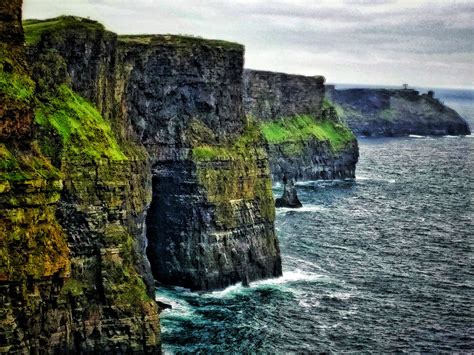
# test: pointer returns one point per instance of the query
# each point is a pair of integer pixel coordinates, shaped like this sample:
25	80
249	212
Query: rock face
306	140
95	133
74	189
289	197
210	223
383	112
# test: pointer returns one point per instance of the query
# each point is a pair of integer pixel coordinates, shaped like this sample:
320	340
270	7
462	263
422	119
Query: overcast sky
423	43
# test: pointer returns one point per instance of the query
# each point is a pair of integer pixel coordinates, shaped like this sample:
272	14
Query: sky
378	42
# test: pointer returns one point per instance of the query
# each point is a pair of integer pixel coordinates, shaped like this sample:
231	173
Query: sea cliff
106	141
305	138
396	112
72	201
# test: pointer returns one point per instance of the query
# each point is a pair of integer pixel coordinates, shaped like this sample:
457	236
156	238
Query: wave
321	181
305	208
415	136
366	178
179	308
287	278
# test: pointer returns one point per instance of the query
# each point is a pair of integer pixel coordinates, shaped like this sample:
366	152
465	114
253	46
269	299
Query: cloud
373	42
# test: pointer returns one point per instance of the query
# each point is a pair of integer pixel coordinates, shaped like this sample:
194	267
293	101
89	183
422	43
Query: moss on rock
34	29
233	173
81	128
304	127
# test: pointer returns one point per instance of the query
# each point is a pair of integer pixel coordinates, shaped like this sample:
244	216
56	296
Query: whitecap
415	136
179	308
288	277
305	208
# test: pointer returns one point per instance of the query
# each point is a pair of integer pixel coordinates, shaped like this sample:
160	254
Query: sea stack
290	197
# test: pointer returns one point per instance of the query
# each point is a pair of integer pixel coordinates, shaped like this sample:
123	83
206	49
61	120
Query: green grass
181	40
18	166
304	127
16	86
237	149
81	128
35	28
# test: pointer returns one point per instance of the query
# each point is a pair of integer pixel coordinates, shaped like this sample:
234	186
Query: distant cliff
384	112
306	140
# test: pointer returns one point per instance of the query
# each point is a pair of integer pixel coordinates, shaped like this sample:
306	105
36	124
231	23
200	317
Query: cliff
210	223
384	112
105	141
305	138
72	206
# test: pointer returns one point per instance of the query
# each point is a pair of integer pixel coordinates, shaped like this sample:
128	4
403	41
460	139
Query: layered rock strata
389	112
73	199
83	131
306	140
210	223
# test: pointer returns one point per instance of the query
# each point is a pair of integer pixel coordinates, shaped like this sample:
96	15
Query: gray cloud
429	43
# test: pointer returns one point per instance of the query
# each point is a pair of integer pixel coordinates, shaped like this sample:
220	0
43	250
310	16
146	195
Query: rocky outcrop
306	140
290	196
384	112
210	223
73	195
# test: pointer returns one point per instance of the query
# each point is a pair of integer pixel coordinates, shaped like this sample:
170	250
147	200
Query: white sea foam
288	277
179	308
415	136
305	208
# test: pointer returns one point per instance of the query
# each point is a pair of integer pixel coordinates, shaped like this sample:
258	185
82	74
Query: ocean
380	263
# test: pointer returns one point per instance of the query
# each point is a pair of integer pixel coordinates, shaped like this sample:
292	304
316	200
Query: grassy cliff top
304	127
35	28
268	73
180	40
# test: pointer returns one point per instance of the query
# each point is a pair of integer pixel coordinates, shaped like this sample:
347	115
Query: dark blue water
381	263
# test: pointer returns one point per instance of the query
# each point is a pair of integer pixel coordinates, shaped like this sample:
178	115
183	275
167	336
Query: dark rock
401	112
290	197
210	223
276	97
180	96
163	305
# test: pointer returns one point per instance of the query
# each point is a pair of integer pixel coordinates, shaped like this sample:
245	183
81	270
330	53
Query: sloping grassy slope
304	127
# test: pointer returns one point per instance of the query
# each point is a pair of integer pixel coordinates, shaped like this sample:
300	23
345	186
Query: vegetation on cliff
240	180
81	128
178	40
34	29
303	127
